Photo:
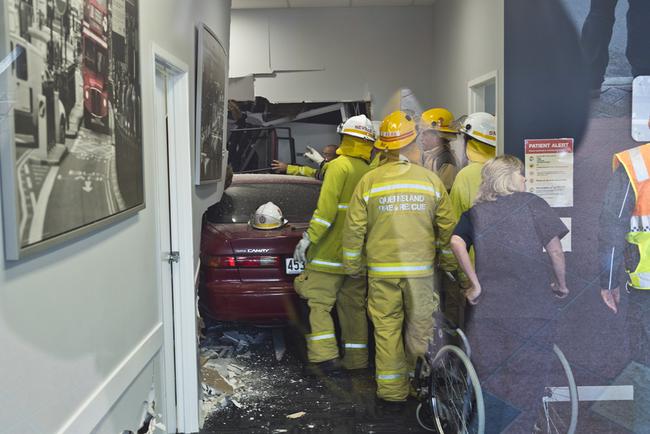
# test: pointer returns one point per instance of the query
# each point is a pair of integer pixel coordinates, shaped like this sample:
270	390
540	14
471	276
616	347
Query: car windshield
239	202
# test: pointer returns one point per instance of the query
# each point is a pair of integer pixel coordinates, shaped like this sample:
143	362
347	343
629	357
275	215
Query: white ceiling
259	4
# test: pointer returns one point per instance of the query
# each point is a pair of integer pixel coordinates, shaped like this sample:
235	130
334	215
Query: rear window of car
239	202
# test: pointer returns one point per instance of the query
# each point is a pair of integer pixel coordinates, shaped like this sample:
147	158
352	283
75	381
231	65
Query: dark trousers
637	328
638	324
597	34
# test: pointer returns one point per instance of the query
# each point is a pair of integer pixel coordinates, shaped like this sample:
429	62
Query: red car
246	273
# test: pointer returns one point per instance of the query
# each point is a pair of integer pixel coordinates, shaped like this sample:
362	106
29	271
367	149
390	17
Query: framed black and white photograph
71	127
211	101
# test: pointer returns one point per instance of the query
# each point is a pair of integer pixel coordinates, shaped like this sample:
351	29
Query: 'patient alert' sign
549	170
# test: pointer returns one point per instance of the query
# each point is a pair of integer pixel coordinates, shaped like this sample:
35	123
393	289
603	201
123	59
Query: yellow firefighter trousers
322	291
393	305
453	298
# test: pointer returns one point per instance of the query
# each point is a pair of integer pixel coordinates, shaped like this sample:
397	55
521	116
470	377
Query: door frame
476	90
175	229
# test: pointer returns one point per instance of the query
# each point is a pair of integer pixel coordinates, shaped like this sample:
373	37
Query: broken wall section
335	54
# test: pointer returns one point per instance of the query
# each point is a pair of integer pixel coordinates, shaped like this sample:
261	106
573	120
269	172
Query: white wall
74	321
468	43
335	54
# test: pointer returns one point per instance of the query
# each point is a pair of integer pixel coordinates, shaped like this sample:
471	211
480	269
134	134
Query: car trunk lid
257	255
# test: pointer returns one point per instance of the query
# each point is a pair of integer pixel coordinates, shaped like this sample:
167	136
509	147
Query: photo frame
71	120
211	106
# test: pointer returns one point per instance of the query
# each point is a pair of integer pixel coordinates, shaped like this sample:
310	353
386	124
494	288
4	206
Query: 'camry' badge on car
258	250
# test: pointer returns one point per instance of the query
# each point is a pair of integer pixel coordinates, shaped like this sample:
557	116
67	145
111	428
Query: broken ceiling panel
241	88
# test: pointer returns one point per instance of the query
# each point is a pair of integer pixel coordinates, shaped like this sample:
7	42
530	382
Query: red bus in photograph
94	65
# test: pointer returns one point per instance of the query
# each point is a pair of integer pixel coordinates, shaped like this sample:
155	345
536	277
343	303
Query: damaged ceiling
312	112
268	4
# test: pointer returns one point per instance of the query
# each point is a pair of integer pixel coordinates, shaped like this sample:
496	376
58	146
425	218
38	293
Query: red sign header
548	146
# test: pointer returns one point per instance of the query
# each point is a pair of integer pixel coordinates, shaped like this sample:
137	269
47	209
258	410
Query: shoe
324	369
384	407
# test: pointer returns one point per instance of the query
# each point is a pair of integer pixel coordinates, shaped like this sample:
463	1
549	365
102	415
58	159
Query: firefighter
329	153
324	283
396	213
479	130
436	132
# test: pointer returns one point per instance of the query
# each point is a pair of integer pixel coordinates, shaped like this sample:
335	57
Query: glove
301	249
314	155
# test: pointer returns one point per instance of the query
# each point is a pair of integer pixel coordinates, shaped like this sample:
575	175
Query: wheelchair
451	399
446	383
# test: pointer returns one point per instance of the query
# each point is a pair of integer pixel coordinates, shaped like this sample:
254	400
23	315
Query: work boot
389	408
324	369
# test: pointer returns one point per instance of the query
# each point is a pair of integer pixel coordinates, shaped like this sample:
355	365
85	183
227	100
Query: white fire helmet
358	126
482	127
268	216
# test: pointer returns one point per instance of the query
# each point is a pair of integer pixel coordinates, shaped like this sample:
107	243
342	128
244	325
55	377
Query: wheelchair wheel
467	349
425	418
560	404
455	394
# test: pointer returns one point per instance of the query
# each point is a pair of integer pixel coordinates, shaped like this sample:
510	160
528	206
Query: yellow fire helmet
439	119
267	216
396	131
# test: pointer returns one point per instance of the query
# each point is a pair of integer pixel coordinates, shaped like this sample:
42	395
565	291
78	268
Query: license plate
293	266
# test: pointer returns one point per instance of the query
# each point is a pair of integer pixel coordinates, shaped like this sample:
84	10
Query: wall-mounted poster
549	170
71	126
211	76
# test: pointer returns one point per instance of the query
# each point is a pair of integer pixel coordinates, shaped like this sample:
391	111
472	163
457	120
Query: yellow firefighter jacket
397	211
326	226
301	170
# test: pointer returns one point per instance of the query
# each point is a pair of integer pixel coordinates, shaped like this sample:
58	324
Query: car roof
268	178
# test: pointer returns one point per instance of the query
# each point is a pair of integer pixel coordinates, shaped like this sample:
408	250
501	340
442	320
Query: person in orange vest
624	238
625	229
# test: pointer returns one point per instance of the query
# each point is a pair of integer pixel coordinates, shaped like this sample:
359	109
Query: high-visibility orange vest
636	162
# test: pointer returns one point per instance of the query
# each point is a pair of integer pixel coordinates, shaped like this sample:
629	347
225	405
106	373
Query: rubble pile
239	371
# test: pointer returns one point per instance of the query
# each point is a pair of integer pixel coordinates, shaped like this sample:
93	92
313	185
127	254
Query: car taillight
221	261
257	261
243	261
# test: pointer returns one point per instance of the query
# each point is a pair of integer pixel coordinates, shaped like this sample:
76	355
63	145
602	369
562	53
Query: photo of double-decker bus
94	66
74	83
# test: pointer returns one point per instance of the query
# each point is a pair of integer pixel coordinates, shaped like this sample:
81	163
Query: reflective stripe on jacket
636	162
326	226
397	210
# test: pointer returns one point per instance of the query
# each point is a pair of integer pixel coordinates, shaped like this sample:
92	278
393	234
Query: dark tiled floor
273	390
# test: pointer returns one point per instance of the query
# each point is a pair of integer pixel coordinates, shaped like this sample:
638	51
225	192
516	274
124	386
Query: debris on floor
229	370
248	390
